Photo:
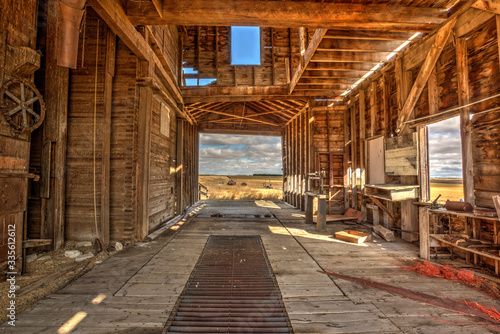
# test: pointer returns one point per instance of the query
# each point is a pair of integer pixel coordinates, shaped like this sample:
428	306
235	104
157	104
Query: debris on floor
387	234
468	308
353	236
463	276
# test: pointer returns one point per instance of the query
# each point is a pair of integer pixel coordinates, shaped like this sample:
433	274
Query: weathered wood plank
308	55
293	14
429	63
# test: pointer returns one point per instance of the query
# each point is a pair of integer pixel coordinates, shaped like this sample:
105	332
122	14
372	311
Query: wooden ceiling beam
327	74
325	81
358	45
313	87
337	66
370	35
292	14
247	98
346	56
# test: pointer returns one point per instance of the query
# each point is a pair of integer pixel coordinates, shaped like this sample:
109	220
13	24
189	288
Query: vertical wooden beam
300	157
400	87
143	152
423	163
106	136
465	123
424	233
347	142
179	167
289	163
373	109
217	55
432	88
409	221
302	44
386	99
198	53
354	162
362	147
283	162
295	163
310	145
55	128
180	73
273	73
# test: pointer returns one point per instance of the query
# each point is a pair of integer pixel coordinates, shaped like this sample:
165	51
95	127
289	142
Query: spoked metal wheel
22	105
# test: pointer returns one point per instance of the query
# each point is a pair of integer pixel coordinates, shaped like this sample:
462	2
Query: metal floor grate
231	290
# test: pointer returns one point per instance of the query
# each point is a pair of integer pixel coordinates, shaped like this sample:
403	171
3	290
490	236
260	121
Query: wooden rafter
236	116
430	61
309	53
488	5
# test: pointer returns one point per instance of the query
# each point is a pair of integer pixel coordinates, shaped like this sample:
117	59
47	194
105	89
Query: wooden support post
180	73
354	162
425	252
347	142
390	217
423	165
273	73
299	162
409	220
386	98
309	207
106	136
217	55
302	44
465	122
179	168
362	147
55	129
375	214
198	55
143	153
295	163
373	109
321	225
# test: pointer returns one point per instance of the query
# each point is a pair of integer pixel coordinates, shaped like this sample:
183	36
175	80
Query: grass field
218	188
451	189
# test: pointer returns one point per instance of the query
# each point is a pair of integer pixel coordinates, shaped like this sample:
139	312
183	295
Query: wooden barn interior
103	103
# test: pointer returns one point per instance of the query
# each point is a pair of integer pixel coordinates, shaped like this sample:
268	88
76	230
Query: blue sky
245	46
239	154
445	149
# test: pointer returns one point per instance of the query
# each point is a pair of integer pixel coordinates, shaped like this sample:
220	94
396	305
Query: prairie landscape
451	189
219	189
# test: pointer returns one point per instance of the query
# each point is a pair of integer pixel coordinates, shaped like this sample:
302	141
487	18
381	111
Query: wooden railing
200	191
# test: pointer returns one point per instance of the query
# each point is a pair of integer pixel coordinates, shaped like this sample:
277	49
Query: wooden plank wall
308	140
207	50
162	165
17	29
479	31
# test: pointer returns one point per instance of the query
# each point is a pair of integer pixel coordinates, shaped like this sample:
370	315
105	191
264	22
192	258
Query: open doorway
237	167
445	160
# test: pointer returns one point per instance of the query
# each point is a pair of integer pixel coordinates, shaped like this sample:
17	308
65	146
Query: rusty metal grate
231	290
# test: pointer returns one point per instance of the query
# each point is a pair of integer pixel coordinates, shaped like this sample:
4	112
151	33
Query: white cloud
238	154
445	149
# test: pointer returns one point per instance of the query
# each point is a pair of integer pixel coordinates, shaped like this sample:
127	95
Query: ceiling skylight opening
245	46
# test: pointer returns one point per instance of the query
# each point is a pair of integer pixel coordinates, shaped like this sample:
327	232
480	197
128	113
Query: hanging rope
95	122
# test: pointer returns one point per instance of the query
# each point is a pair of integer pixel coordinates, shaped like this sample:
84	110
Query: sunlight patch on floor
305	234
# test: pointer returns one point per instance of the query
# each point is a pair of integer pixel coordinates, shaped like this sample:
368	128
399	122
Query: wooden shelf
463	214
438	237
392	192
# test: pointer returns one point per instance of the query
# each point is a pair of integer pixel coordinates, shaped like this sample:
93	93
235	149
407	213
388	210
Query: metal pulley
22	105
